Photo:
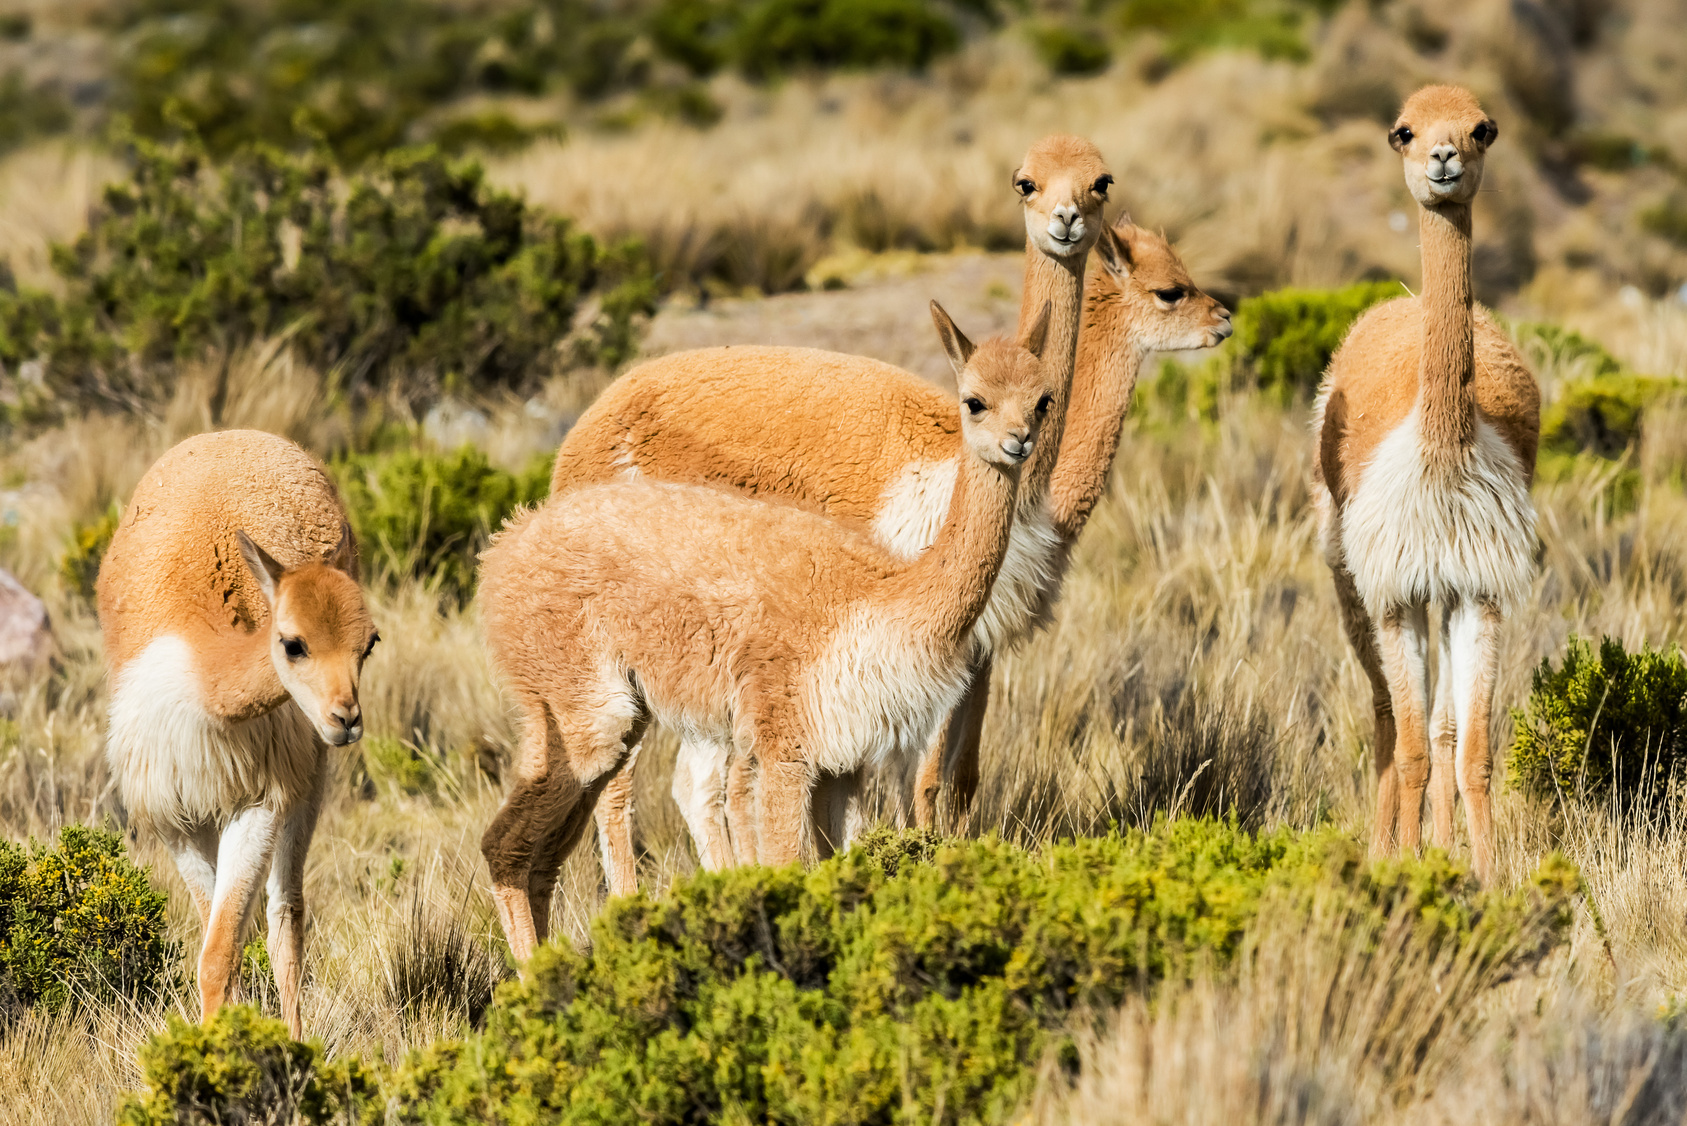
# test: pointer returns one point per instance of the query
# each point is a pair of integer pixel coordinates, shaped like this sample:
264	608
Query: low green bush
1602	414
908	979
1065	49
766	38
244	1068
414	276
428	515
1275	29
79	922
1603	726
1284	339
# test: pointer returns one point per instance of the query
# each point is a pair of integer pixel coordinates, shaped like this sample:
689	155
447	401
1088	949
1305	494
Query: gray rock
26	636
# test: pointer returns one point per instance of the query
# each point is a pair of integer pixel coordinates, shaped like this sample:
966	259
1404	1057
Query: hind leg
614	812
1362	635
700	789
566	756
1443	739
950	763
835	808
1475	650
1403	641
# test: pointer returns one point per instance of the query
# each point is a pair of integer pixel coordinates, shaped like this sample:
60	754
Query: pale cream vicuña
805	647
800	424
235	634
1426	430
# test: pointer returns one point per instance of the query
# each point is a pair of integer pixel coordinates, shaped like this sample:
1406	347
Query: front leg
614	835
951	761
287	902
195	853
783	786
243	856
1403	642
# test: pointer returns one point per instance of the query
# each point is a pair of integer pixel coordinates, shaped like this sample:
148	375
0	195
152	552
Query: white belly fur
912	512
1410	536
179	765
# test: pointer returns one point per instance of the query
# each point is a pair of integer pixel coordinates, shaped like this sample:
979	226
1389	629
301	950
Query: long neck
1109	359
1447	368
1059	282
940	595
238	675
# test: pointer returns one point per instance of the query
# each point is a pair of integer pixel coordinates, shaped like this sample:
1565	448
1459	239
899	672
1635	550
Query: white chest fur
1412	534
178	764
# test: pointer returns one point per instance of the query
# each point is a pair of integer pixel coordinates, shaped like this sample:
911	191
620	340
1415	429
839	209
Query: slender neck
1109	358
241	682
1058	282
941	594
1447	367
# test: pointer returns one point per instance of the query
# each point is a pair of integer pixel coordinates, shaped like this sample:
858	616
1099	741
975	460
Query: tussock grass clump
1604	726
79	922
901	978
426	515
416	277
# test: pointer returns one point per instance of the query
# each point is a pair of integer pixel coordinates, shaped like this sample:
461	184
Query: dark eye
293	647
1026	187
976	406
1044	403
370	648
1101	184
1484	132
1170	296
1403	135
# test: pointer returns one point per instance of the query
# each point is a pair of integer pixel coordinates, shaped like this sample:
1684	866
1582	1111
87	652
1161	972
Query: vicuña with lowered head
873	446
235	636
803	646
1426	429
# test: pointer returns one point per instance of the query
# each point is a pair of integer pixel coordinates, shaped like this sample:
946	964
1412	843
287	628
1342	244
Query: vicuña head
1144	276
1062	185
1443	135
320	633
1005	393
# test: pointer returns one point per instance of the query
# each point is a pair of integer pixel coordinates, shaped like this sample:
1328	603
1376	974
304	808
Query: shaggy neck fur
942	593
1447	367
1108	360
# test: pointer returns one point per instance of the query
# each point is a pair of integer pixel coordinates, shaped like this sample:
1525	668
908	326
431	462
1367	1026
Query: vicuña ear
1039	334
955	343
264	567
1114	250
344	558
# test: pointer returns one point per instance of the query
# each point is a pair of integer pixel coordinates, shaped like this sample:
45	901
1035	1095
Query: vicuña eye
293	647
1102	183
1170	296
370	648
1403	135
1026	187
1044	403
976	406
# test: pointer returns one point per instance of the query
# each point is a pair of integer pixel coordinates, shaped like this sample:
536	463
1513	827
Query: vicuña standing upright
803	646
235	634
1426	430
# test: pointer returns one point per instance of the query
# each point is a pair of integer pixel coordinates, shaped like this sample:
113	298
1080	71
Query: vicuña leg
195	853
615	829
1403	642
287	902
950	763
835	803
243	856
1443	739
742	812
700	790
1475	632
1362	635
783	784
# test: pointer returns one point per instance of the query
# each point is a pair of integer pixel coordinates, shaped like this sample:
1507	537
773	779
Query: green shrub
244	1068
425	514
416	276
79	566
79	921
1603	727
1284	339
766	38
1563	350
1667	219
410	770
1273	28
1600	415
1071	50
881	986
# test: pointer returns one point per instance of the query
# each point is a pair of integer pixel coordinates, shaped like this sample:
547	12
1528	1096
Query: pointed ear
1039	334
955	343
264	567
1114	250
344	558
